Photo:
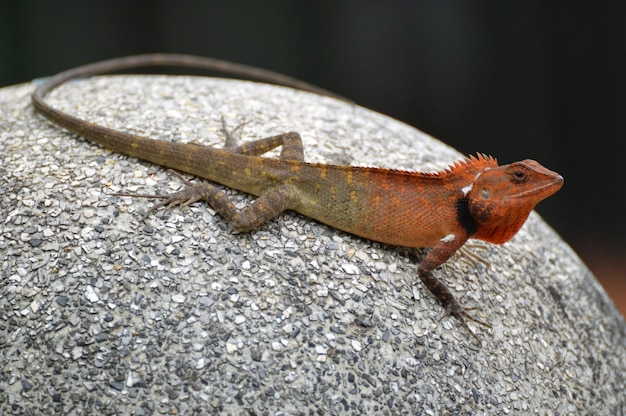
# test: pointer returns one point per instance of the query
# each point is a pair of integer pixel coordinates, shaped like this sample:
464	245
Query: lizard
473	198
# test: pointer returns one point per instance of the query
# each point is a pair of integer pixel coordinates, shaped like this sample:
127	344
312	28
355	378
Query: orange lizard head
501	198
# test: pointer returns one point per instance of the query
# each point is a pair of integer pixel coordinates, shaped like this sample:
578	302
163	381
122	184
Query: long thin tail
143	147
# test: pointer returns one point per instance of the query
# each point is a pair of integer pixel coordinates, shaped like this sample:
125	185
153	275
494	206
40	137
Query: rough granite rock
101	313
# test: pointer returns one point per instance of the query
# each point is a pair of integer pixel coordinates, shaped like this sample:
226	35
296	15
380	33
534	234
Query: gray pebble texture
102	313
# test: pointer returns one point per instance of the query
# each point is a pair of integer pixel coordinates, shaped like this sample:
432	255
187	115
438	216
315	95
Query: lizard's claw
192	192
461	313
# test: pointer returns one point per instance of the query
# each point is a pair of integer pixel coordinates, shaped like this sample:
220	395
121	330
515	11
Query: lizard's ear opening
485	194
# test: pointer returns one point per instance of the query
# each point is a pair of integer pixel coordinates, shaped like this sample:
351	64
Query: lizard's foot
454	308
192	192
185	197
233	137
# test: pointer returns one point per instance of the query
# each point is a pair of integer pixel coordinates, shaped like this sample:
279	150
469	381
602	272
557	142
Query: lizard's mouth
546	190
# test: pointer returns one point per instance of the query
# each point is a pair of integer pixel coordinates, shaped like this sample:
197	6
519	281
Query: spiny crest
472	165
469	167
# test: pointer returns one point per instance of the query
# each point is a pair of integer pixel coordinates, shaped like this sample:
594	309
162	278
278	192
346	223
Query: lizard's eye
519	175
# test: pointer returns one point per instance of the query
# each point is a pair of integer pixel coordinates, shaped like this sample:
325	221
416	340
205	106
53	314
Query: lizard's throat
500	230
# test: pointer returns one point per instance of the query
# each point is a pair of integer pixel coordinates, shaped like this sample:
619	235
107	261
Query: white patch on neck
448	239
467	189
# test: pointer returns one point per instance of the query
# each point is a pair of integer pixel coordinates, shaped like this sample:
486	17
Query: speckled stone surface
101	313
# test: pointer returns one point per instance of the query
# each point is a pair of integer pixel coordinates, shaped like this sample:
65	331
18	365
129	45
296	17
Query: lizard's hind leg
264	208
291	143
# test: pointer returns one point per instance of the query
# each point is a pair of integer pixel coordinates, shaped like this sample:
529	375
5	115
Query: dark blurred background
515	79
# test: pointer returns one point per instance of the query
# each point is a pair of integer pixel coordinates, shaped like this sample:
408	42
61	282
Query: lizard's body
475	198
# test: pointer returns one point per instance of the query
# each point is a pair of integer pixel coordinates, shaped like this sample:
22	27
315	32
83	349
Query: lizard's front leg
437	256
